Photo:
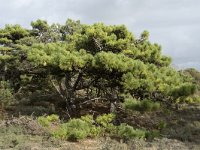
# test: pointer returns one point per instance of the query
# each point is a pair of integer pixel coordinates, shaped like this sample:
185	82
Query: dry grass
182	132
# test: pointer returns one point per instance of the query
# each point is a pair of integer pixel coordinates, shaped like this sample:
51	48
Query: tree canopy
83	62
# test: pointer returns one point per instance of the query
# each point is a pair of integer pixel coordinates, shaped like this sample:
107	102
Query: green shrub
88	118
46	121
196	99
61	132
128	132
131	104
94	130
74	129
87	126
162	125
43	121
105	121
150	135
143	105
53	118
78	128
184	90
189	99
6	96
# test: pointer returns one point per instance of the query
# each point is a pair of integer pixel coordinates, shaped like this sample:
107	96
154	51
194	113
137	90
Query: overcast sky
175	24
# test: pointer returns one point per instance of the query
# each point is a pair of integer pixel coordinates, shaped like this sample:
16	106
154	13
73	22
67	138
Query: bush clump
143	105
46	121
189	99
105	121
75	129
6	95
87	126
94	129
128	132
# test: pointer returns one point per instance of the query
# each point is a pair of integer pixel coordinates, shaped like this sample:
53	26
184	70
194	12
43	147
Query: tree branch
94	99
77	81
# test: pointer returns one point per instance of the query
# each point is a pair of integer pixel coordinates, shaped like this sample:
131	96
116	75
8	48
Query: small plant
43	121
128	132
53	118
6	96
74	130
87	126
148	105
162	125
88	118
94	130
192	99
46	121
78	128
188	99
105	119
143	105
150	135
197	99
61	132
106	122
130	104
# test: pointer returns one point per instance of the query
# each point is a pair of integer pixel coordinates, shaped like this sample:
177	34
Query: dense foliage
79	63
87	126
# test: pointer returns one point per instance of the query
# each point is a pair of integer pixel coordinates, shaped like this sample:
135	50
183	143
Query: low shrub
150	135
189	99
87	126
162	125
74	129
46	121
89	119
143	105
105	121
53	118
43	121
77	129
128	132
94	130
61	132
6	95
